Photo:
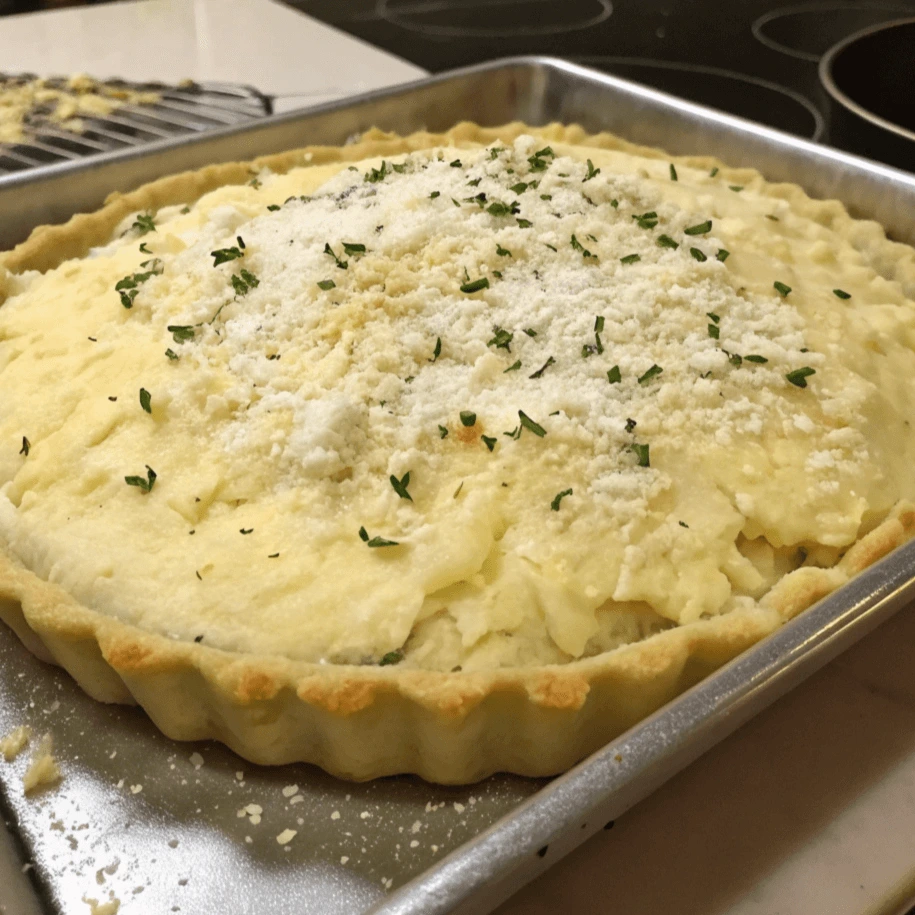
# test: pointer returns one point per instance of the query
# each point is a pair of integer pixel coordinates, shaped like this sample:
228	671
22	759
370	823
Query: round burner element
493	18
747	96
808	30
871	84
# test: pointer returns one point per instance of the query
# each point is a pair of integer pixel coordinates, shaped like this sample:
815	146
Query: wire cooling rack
186	108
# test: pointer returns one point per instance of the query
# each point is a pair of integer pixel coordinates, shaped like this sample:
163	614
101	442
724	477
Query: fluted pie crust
361	721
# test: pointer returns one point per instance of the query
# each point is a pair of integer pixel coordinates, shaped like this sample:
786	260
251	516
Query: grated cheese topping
466	408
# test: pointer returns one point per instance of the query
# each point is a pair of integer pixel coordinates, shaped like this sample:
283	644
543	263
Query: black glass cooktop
756	58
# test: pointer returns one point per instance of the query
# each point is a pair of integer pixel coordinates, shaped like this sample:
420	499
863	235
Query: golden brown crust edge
365	722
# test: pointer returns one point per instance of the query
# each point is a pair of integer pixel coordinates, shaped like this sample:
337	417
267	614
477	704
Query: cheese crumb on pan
43	771
15	742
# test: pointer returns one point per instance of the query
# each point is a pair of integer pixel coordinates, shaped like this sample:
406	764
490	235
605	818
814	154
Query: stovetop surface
755	58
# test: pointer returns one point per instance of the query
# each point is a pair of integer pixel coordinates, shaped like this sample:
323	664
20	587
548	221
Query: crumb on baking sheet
15	742
43	770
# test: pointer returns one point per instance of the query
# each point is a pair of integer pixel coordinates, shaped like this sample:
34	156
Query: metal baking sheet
167	827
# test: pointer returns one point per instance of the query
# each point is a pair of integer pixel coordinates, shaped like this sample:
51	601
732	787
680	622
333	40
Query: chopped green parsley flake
665	241
530	425
712	316
144	224
374	541
144	484
714	331
26	447
378	174
400	486
496	208
171	354
224	255
781	288
641	452
502	339
530	331
342	265
181	332
713	172
557	499
647	220
468	419
502	252
577	246
351	248
144	248
475	285
273	207
614	376
673	172
599	324
244	282
543	368
799	376
735	360
698	255
737	188
513	367
753	357
699	229
551	247
592	172
442	432
841	293
653	372
392	657
438	349
524	223
455	164
630	424
326	284
489	442
683	524
146	400
520	187
630	259
723	255
435	194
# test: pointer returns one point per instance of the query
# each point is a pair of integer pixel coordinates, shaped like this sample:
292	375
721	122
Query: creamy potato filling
466	408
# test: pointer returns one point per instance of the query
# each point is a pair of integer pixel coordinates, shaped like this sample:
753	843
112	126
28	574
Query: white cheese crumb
196	760
15	742
286	836
335	815
43	770
290	790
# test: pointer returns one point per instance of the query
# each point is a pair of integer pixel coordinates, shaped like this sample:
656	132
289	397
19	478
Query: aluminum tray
157	823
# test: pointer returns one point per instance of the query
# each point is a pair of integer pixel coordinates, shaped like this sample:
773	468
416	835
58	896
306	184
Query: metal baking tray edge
484	871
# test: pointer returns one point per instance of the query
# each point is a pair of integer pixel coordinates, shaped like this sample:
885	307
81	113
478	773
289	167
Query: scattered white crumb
120	783
289	790
417	825
196	760
414	843
335	815
248	840
460	808
14	742
286	836
364	815
344	859
239	776
43	769
113	754
136	789
298	799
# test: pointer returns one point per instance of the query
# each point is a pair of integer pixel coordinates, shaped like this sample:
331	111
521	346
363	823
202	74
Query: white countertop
808	809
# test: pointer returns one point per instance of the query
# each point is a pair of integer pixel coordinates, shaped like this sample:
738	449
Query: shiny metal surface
860	74
136	815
